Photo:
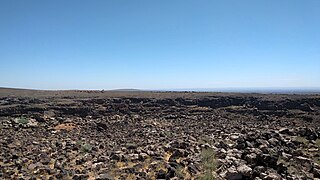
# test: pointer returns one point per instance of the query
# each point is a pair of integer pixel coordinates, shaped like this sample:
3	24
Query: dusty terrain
158	135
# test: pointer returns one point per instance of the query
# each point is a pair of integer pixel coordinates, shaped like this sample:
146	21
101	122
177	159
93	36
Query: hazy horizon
277	90
160	44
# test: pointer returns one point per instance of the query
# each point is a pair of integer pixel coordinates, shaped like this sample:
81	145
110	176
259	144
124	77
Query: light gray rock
272	176
244	170
104	177
251	158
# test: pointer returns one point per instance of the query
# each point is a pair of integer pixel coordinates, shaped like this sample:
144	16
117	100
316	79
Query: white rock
245	170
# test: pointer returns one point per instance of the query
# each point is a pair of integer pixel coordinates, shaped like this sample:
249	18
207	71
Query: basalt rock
104	135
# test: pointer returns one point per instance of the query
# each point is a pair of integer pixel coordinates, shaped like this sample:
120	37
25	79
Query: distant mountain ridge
125	90
314	90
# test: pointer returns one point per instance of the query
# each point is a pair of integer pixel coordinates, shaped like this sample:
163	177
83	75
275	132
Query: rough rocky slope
159	136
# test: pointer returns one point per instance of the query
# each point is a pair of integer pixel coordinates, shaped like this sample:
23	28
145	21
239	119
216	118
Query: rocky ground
158	135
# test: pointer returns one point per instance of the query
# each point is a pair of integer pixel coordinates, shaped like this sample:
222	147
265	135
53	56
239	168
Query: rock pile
221	137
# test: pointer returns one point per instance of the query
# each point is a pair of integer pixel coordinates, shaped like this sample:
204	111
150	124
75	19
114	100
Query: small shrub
167	134
208	163
206	139
179	172
318	143
301	140
23	120
208	159
207	176
86	148
79	143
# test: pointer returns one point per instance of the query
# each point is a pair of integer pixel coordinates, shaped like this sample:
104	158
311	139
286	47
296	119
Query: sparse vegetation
167	134
317	159
84	147
132	138
302	140
79	143
23	120
318	143
205	140
207	176
179	172
208	163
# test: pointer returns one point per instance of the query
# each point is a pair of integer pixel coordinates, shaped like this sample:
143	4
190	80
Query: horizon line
223	89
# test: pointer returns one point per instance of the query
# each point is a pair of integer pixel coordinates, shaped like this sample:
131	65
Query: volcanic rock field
158	135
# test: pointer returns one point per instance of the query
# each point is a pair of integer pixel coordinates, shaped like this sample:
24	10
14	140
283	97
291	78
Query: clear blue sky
160	44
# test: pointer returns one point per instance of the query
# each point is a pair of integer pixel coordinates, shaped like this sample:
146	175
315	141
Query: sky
159	44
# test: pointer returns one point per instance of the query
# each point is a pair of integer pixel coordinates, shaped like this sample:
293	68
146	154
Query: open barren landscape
170	89
158	135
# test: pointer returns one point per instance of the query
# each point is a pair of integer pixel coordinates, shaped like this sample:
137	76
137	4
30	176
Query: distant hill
127	90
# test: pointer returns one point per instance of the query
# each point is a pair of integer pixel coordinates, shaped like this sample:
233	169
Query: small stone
233	174
116	157
32	123
272	176
251	158
134	157
244	170
143	156
257	170
304	159
131	146
316	172
273	141
104	177
97	166
80	176
313	150
150	153
284	131
286	156
193	169
32	166
161	174
234	137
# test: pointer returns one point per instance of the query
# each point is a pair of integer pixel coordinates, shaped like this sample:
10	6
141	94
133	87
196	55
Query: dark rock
233	174
267	160
161	174
316	172
171	172
116	157
80	177
257	170
101	126
131	146
193	169
176	154
251	158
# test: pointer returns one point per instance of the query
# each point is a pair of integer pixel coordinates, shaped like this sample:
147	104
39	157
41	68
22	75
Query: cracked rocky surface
95	135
